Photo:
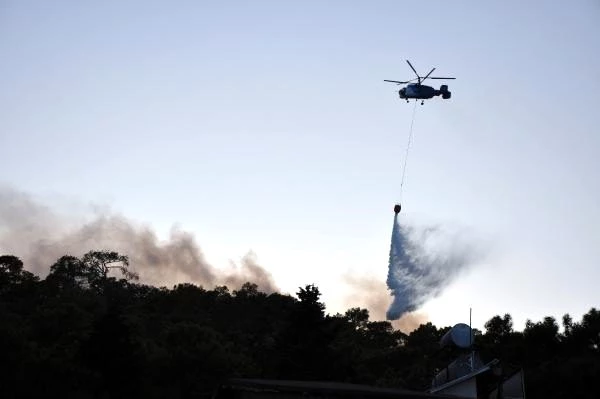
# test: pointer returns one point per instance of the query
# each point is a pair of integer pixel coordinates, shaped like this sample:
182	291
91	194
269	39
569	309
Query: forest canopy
90	329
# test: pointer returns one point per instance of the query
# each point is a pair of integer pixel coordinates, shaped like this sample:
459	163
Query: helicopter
420	91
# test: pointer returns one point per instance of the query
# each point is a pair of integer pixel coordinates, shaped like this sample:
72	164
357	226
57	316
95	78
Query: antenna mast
471	338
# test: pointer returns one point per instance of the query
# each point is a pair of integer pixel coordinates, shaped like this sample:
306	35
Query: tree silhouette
90	329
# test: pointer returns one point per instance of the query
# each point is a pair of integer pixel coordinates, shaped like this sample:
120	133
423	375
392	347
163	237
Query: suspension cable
410	135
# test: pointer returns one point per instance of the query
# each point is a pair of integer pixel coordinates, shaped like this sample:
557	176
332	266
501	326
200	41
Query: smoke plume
39	235
371	293
421	267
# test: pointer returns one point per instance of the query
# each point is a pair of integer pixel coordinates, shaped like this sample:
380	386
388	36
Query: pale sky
267	126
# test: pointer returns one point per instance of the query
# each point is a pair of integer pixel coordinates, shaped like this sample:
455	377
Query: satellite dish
460	335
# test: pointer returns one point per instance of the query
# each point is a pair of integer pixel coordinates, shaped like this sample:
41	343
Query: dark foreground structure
285	389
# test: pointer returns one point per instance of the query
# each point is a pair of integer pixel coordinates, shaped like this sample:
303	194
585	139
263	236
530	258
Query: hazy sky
267	126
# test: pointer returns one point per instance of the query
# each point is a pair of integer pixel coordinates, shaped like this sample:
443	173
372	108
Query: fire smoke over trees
370	292
40	235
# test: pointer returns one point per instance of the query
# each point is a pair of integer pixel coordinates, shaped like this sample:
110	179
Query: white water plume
422	264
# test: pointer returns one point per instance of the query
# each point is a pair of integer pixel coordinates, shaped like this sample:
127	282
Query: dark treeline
90	330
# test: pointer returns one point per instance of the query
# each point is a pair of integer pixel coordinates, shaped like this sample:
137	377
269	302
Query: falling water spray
422	264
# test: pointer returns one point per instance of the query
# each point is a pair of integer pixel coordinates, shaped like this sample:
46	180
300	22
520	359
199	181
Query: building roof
324	388
465	377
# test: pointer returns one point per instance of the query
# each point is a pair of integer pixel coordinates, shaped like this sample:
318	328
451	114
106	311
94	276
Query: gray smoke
370	293
39	235
420	267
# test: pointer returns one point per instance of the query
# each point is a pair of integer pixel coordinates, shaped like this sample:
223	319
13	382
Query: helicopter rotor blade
440	78
426	76
394	81
413	68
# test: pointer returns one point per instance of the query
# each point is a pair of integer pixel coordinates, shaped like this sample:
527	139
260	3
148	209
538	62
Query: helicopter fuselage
418	90
423	92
